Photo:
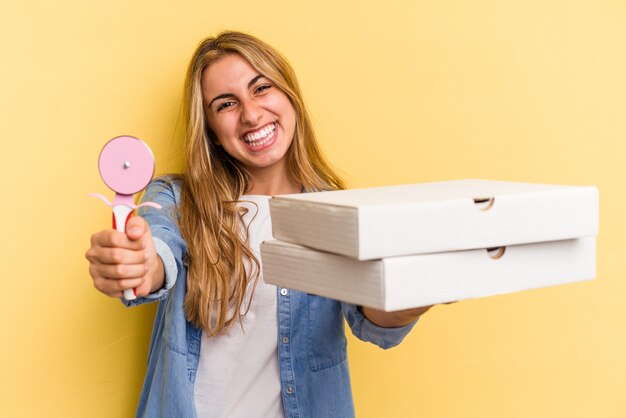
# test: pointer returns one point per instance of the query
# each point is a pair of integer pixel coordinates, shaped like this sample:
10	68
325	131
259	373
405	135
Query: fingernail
134	231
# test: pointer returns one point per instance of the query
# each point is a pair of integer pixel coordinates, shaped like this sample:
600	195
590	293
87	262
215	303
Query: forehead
226	75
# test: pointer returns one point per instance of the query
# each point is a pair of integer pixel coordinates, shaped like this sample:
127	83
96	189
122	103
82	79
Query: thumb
135	228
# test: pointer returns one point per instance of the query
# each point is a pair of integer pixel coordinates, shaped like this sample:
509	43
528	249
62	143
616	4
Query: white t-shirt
238	373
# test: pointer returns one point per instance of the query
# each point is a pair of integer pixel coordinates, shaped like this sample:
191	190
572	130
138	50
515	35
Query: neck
270	182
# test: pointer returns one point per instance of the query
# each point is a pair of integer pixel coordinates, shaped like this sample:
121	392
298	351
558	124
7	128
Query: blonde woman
224	343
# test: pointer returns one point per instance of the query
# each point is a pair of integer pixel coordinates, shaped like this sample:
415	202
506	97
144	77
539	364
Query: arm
368	331
393	319
148	257
169	244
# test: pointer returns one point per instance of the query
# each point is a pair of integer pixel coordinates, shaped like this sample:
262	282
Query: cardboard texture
434	217
419	280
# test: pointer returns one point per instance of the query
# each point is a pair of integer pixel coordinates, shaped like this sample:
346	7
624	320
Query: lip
269	141
258	128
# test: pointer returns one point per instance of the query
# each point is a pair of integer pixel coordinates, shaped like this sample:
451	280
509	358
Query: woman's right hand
119	261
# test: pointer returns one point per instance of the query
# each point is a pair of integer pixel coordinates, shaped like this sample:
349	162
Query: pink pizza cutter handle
122	211
121	215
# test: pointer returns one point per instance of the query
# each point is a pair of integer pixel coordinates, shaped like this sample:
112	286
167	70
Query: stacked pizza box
414	245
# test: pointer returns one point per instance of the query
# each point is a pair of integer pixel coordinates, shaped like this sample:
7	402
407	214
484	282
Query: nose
250	112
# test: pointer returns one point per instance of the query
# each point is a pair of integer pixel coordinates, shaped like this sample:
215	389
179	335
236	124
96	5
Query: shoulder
164	189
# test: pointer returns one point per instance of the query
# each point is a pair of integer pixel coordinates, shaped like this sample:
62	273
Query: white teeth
253	137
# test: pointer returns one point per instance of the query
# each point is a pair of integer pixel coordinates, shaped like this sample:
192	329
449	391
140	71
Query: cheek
289	115
222	130
292	122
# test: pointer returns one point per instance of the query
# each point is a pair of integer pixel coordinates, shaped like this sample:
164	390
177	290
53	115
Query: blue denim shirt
314	373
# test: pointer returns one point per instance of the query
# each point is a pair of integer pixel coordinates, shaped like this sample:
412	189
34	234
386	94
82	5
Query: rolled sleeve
367	331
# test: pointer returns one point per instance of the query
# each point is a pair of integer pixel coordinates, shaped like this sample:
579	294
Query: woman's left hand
393	319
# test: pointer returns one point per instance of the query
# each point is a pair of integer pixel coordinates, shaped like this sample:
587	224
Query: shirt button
285	340
284	291
289	390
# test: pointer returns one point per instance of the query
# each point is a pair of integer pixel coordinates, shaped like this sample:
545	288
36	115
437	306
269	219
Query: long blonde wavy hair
213	182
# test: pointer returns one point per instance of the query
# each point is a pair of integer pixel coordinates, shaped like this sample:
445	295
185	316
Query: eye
262	88
224	105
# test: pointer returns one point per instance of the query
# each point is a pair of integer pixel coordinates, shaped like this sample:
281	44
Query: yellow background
400	92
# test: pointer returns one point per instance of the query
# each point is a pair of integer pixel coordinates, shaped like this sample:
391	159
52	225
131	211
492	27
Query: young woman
225	344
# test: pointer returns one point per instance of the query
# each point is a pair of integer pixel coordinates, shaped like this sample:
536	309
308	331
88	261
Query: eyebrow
227	95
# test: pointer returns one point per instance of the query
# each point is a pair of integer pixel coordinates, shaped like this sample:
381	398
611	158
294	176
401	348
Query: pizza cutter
126	166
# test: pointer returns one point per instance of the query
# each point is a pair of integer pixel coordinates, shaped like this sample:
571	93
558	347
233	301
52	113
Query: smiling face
252	119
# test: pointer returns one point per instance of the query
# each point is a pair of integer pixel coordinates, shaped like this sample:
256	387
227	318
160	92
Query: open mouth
260	137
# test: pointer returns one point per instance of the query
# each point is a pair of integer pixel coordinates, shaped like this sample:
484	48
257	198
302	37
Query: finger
116	256
111	238
136	228
142	289
115	288
121	271
105	286
126	284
